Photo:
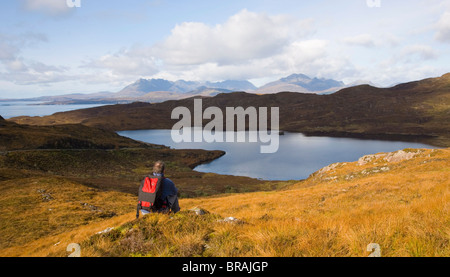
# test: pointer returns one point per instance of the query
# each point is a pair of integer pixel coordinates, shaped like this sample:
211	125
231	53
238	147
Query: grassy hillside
398	200
37	207
412	111
54	179
71	136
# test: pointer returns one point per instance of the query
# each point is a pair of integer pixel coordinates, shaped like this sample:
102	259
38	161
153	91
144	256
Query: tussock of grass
183	234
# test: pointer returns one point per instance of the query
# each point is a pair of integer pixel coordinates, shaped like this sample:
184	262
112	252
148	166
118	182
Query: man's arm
169	188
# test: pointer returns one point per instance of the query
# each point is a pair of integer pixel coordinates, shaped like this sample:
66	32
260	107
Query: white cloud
443	28
423	52
11	45
123	66
372	40
248	45
244	36
27	75
19	70
365	40
33	73
125	63
48	7
389	74
315	58
303	56
15	65
8	51
305	51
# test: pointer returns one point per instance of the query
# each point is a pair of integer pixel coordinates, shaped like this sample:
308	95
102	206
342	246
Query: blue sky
48	48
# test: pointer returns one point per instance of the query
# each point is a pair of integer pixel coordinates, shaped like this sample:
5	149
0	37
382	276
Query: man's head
158	167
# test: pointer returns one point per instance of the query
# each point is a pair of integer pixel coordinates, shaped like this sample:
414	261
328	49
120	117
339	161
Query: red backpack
149	194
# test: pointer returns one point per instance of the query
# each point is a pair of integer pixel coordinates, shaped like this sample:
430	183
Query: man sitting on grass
165	195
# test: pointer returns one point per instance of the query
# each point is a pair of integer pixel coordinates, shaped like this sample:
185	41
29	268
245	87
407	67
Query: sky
55	47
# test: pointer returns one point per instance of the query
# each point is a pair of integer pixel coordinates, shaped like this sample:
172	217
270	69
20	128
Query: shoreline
432	140
369	137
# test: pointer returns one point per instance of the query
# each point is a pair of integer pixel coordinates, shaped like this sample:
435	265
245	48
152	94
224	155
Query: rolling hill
417	111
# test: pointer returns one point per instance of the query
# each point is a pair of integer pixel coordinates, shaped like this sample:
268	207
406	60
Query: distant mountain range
145	86
159	90
302	83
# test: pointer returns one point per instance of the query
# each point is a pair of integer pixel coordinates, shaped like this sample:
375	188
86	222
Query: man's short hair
159	167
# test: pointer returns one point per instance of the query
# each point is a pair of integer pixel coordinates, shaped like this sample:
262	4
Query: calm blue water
298	156
29	108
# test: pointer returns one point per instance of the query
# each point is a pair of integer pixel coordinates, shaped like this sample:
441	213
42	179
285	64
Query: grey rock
198	211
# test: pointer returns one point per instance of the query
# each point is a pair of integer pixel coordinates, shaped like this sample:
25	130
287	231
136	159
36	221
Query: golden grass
37	212
49	245
403	206
405	210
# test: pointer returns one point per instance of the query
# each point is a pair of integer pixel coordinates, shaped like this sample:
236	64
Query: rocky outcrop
400	156
392	157
373	164
369	158
328	168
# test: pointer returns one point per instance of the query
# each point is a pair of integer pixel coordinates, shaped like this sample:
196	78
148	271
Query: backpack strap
138	209
158	199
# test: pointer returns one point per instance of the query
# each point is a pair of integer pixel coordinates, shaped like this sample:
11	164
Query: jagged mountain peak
145	86
294	78
302	83
235	85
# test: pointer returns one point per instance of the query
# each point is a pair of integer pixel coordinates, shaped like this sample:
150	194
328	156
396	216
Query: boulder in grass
198	211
